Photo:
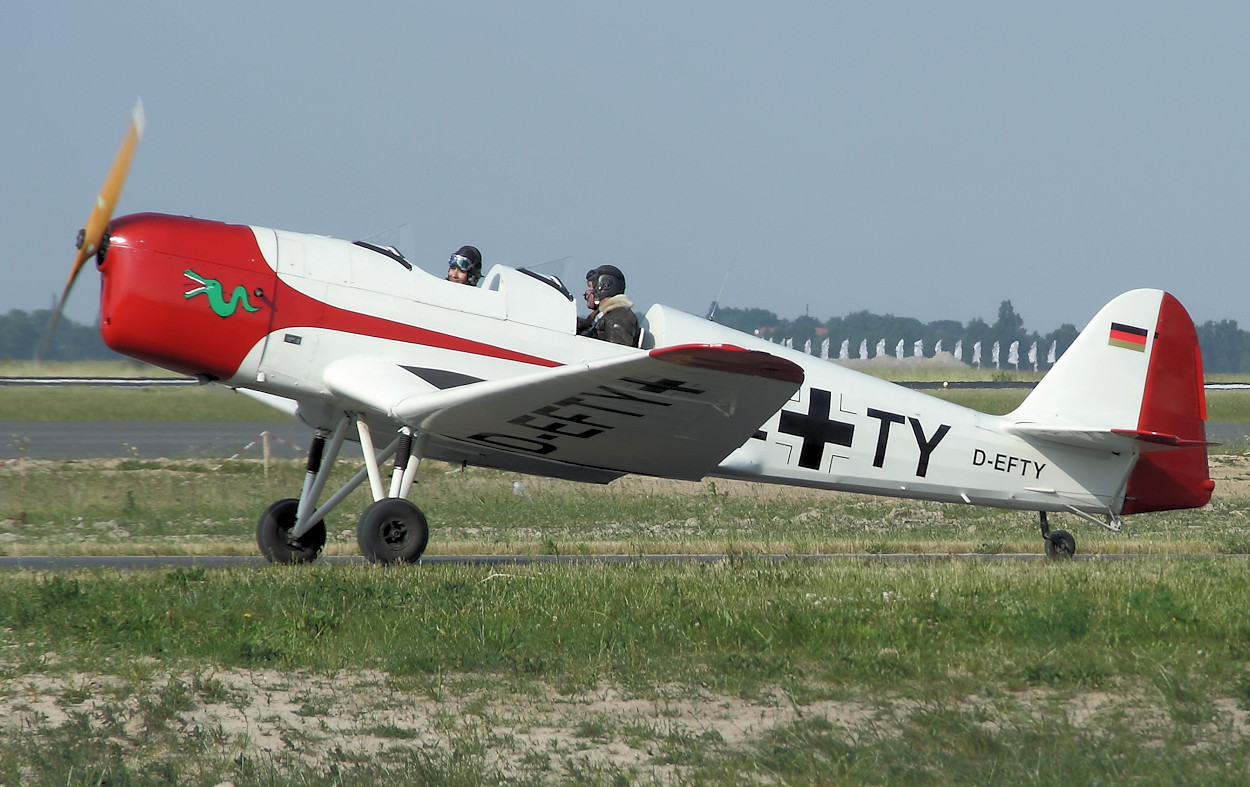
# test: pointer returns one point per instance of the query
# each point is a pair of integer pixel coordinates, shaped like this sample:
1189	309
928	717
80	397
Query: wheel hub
395	533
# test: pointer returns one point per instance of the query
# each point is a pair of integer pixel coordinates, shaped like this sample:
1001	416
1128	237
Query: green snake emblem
213	289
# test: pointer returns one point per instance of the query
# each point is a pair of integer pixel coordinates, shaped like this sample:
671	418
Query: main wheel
273	535
392	529
1060	545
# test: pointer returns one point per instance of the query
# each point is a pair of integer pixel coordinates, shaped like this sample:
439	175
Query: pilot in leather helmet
465	266
611	317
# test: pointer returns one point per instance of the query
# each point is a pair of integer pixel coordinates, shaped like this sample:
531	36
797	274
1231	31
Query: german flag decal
1128	337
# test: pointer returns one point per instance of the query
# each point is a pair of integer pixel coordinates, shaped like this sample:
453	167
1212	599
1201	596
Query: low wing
672	412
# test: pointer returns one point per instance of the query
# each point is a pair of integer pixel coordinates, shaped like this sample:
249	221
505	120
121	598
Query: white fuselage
842	430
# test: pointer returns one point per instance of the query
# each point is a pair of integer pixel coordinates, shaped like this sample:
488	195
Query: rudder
1173	403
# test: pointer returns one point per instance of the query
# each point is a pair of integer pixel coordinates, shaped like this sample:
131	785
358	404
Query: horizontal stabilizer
1103	439
1162	440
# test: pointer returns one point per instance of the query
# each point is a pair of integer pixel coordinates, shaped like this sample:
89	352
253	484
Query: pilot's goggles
457	261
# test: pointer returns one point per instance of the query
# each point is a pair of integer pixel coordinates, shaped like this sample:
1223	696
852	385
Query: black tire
392	530
1060	545
273	535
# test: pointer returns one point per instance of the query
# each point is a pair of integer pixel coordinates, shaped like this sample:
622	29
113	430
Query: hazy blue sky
921	159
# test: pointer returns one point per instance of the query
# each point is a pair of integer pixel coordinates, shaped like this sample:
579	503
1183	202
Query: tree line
1225	346
21	332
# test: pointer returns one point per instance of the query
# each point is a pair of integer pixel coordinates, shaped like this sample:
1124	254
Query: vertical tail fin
1136	370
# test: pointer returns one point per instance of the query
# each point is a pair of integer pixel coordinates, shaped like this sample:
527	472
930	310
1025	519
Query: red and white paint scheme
366	345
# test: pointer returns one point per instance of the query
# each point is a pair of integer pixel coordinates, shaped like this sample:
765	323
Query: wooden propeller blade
98	220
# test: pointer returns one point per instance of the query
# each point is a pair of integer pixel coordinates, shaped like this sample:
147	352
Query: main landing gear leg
1060	545
392	529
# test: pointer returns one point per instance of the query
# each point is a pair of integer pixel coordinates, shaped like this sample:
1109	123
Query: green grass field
12	368
138	506
747	670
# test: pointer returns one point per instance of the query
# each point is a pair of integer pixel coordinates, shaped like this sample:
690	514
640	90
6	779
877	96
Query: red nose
185	294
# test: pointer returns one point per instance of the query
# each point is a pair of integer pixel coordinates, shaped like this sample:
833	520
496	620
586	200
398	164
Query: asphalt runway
153	440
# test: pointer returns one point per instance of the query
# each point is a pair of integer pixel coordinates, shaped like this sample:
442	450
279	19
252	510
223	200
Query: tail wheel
273	535
392	530
1060	545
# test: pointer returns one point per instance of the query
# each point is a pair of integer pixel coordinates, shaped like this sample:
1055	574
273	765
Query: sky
926	160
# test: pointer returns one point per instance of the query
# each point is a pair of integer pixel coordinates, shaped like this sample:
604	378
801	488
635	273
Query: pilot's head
602	283
465	266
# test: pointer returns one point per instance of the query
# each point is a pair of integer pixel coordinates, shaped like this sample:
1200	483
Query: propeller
92	235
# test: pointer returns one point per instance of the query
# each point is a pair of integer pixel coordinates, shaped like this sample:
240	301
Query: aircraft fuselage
268	310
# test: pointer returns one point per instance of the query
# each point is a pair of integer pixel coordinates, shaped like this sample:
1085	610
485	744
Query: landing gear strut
1060	545
390	530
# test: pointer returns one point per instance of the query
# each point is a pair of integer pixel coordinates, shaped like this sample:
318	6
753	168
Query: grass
196	507
120	368
861	672
84	403
907	372
1228	406
1222	406
936	631
745	670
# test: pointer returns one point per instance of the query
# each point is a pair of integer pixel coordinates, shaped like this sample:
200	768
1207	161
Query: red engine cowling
185	294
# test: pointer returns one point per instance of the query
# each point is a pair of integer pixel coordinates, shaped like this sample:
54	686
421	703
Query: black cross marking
661	386
816	429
